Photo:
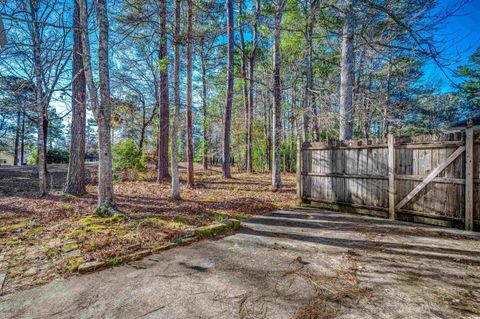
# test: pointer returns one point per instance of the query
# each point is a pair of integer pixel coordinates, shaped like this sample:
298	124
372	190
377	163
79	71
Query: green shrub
54	156
128	160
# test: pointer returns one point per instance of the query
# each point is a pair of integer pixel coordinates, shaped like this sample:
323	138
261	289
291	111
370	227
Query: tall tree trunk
17	133
144	127
277	100
347	72
22	139
39	100
190	177
267	131
251	88
308	105
387	106
244	79
105	182
204	109
229	97
176	112
75	183
164	113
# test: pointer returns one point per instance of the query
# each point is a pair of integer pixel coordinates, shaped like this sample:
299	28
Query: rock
69	247
72	254
234	222
32	271
89	266
2	280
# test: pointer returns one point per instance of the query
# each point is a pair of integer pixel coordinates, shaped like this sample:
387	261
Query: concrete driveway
290	264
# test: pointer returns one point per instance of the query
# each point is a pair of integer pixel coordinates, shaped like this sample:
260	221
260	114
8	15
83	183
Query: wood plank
430	177
469	178
391	176
430	145
340	175
444	180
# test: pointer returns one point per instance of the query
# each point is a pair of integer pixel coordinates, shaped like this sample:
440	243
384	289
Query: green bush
54	156
128	160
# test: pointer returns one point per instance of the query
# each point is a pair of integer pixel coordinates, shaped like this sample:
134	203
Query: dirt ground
298	264
42	239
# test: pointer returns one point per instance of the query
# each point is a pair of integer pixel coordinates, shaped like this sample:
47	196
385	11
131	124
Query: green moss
69	247
73	263
178	223
212	230
32	233
14	227
67	197
92	219
114	261
14	242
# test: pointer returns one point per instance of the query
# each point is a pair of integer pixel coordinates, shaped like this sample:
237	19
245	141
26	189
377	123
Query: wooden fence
429	179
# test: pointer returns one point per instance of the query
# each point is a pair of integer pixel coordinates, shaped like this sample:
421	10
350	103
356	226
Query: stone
89	266
234	222
32	271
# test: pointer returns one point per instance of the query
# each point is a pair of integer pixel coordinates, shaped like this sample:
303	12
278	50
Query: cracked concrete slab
278	266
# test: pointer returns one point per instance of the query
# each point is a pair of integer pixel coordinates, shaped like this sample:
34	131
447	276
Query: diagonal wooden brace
430	177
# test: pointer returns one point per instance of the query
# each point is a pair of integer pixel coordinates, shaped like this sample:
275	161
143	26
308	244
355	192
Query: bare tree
176	114
190	178
75	183
105	182
164	97
229	97
347	71
277	97
251	86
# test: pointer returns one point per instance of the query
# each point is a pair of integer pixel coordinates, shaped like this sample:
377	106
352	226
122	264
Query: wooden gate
430	179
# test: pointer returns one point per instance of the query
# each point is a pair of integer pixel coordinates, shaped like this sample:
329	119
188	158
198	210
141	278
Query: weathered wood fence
429	179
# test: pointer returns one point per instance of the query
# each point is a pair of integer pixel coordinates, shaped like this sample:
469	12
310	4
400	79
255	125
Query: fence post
299	170
391	176
469	178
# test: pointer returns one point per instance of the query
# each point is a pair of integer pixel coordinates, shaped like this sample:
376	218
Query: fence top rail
360	143
421	141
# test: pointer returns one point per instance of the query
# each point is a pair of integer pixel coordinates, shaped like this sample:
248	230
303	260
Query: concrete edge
190	237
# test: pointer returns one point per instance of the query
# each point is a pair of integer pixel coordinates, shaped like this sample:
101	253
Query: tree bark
176	113
75	183
308	105
105	182
251	87
17	134
204	110
22	134
277	97
39	101
244	80
190	177
229	96
164	113
347	72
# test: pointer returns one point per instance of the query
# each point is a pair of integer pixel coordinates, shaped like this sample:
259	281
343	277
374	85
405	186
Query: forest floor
290	264
46	238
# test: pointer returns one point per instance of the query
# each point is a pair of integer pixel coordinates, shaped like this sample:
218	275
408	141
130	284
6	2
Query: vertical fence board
361	174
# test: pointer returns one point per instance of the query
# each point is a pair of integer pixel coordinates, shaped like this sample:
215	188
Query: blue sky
460	35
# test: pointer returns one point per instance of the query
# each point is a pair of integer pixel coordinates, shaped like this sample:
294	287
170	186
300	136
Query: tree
190	181
470	88
75	183
105	177
229	96
164	113
251	86
347	72
277	97
176	116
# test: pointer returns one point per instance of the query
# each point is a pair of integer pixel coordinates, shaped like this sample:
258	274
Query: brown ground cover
46	238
